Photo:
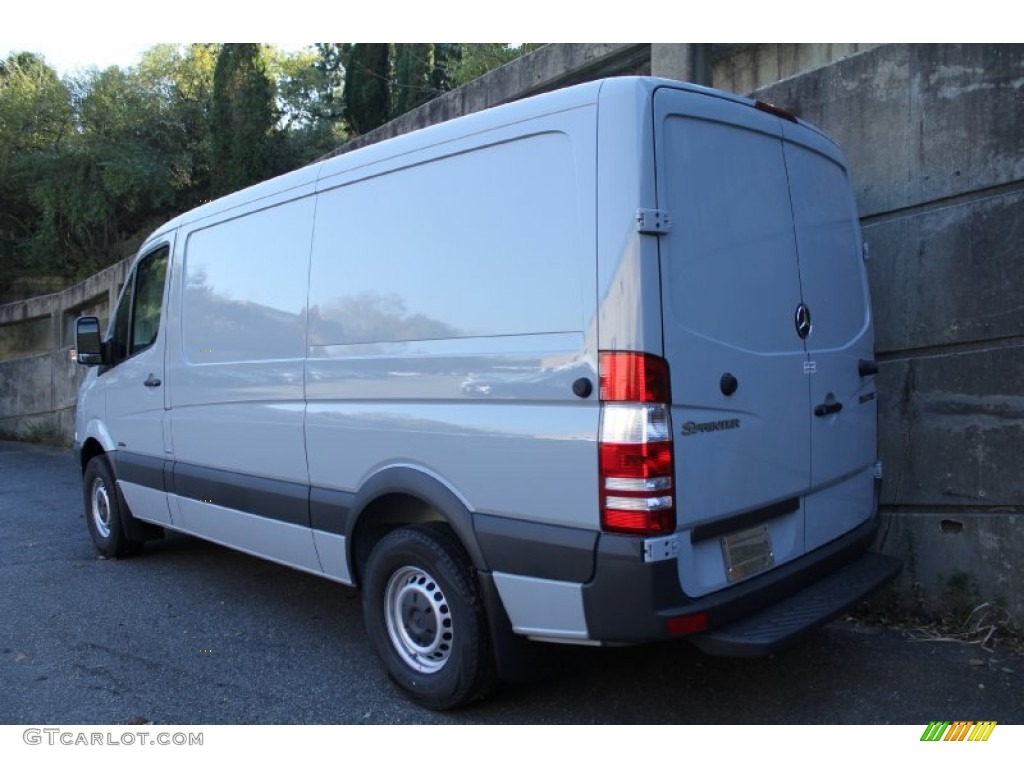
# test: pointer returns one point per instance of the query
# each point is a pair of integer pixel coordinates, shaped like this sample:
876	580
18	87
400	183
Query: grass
986	624
38	434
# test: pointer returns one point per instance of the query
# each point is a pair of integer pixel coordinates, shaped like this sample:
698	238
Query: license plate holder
747	552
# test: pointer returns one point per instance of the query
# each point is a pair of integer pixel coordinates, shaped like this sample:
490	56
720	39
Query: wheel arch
90	449
96	440
403	495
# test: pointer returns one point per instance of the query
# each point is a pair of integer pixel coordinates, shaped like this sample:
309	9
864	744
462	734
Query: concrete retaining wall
933	137
38	394
38	389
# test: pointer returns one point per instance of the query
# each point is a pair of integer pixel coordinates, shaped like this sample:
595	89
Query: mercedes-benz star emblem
803	321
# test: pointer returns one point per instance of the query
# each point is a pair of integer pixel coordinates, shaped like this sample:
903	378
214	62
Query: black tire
105	513
425	617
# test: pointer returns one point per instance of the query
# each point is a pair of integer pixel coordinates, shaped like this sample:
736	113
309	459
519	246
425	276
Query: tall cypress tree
414	64
368	86
446	58
331	61
243	117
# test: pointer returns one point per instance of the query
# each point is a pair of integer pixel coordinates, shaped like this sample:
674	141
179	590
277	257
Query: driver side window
137	317
120	325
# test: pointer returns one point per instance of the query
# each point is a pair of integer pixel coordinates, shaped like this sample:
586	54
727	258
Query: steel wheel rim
418	619
100	507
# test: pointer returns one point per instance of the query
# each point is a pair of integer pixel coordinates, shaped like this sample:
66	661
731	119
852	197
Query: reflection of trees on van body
369	317
243	330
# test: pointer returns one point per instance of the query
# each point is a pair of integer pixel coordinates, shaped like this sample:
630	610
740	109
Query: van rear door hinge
652	221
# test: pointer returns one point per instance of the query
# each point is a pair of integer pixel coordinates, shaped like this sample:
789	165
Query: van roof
572	97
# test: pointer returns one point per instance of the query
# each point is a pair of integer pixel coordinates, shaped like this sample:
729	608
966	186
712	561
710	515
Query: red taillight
635	451
685	625
641	460
643	523
633	377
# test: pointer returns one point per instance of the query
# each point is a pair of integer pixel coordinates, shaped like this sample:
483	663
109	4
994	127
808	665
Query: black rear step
783	622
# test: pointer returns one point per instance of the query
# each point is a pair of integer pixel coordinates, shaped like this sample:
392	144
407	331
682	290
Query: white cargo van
594	367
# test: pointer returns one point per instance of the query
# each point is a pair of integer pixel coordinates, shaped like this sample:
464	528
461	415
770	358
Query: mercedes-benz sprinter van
593	367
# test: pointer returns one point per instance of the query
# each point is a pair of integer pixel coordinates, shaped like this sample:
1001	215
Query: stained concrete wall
38	395
38	379
933	137
744	68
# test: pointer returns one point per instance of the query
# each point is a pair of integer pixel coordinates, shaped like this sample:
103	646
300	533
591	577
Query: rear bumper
781	623
629	601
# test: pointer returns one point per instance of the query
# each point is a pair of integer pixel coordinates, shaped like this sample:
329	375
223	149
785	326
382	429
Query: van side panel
628	282
236	376
450	305
265	537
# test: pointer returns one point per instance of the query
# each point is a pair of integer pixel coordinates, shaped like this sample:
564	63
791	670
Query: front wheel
425	617
104	512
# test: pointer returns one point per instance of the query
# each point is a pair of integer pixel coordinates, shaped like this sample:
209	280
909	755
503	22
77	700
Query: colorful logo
960	730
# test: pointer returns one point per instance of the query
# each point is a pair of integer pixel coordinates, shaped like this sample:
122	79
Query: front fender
91	413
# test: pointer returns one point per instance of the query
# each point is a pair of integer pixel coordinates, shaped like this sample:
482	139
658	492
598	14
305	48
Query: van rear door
766	322
840	345
730	296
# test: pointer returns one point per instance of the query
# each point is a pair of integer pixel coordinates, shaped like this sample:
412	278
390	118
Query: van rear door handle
825	409
152	381
867	368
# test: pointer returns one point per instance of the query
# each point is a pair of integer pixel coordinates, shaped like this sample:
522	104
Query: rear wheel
425	618
105	515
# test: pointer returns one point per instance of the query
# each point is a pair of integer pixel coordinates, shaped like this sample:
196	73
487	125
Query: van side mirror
87	340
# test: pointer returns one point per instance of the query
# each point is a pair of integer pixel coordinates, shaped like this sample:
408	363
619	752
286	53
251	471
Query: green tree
35	106
368	86
308	108
329	64
36	121
477	59
412	86
114	178
446	57
243	118
182	78
109	180
105	157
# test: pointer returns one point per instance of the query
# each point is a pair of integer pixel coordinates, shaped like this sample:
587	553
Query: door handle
826	409
867	368
152	381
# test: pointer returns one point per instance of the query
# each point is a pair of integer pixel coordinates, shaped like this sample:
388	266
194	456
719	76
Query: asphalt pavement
192	633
